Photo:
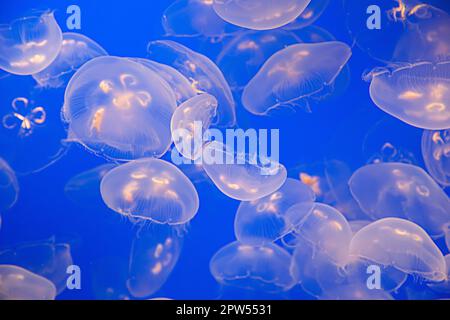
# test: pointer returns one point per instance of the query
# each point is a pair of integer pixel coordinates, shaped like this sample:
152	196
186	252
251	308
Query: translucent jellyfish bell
119	109
295	74
9	186
264	268
436	155
150	189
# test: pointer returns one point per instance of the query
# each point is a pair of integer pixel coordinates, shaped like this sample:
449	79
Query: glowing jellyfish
264	268
76	50
9	186
401	244
417	94
259	15
17	283
443	286
436	155
265	220
30	44
312	12
23	117
294	75
150	189
404	191
204	75
119	109
355	292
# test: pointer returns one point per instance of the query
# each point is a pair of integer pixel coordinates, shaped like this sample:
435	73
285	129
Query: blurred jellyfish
263	268
259	15
204	75
294	75
150	189
436	155
265	220
9	186
312	12
76	50
17	283
355	292
404	191
119	109
30	44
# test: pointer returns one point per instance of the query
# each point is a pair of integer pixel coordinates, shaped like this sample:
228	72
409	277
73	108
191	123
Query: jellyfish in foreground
264	268
150	189
312	12
17	283
294	75
401	244
9	186
403	191
29	45
76	49
436	155
119	109
260	14
418	94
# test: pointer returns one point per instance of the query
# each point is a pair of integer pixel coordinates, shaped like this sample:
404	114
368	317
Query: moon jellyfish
17	283
443	286
401	244
312	12
9	186
294	75
150	189
264	268
76	49
417	94
259	15
436	155
355	292
119	109
265	220
403	191
29	45
204	75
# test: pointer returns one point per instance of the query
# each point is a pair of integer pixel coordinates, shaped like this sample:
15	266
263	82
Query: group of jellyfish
317	232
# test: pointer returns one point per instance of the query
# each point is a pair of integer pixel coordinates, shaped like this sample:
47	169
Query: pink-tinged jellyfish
310	15
9	186
204	75
24	117
444	286
119	109
29	45
76	49
355	292
294	75
265	220
260	14
401	244
403	191
436	155
150	189
418	94
17	283
263	268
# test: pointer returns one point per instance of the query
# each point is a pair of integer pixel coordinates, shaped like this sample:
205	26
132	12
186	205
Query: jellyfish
403	191
401	244
23	117
9	186
355	292
259	15
119	109
76	49
263	268
17	283
30	44
150	189
418	94
436	155
294	75
204	75
310	15
265	220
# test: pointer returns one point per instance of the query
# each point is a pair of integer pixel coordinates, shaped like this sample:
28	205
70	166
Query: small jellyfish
436	155
150	189
401	244
24	117
260	14
119	109
17	283
294	75
265	220
403	191
355	292
76	50
310	15
263	268
444	286
9	186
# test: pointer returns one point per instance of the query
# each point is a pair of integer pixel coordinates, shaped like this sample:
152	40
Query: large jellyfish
295	74
436	155
404	191
150	189
312	12
260	14
9	186
29	45
119	109
264	268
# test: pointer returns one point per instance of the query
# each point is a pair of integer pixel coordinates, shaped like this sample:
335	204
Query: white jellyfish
436	155
9	186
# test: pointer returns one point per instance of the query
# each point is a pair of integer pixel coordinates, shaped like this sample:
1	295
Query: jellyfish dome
436	155
9	186
30	44
150	189
119	109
